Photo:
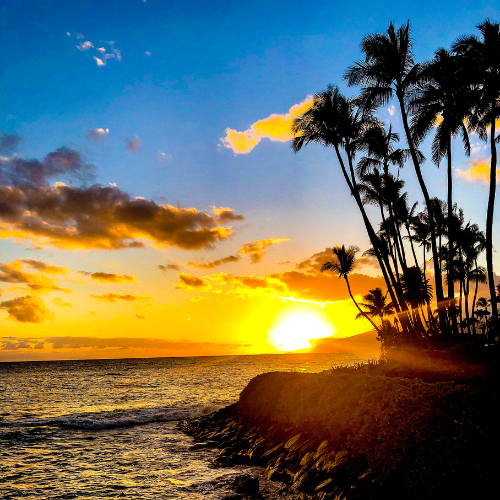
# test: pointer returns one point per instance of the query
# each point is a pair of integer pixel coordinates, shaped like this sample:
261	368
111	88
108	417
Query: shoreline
360	434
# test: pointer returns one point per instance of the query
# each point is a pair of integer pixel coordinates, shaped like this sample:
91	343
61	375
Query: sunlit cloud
111	277
13	273
197	298
275	127
190	282
133	145
28	309
127	297
214	263
256	249
85	45
101	218
139	316
163	157
477	171
59	302
226	214
96	134
391	109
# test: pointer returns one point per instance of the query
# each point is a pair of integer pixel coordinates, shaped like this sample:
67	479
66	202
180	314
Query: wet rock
322	449
292	440
246	485
307	458
268	455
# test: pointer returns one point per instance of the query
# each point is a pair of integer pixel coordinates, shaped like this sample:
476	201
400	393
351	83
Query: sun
293	331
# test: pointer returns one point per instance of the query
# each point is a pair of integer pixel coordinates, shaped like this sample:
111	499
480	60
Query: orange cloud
214	263
27	309
113	297
256	249
59	302
191	282
478	171
111	277
102	218
226	214
12	273
275	127
169	267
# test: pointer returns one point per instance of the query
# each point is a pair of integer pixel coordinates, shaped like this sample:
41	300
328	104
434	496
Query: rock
325	485
322	449
307	458
233	496
292	440
268	455
246	485
277	474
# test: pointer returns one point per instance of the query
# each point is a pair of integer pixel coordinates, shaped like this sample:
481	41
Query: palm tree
335	121
483	64
343	266
376	305
444	95
389	70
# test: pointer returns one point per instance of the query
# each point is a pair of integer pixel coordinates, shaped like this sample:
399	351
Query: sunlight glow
295	330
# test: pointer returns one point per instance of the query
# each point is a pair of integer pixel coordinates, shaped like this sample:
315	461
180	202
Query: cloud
28	309
275	127
96	134
113	297
214	263
191	282
8	142
111	277
111	265
163	158
226	214
135	343
139	316
85	45
62	162
256	249
308	283
169	267
147	53
44	266
59	302
101	218
478	171
197	298
391	109
13	273
133	145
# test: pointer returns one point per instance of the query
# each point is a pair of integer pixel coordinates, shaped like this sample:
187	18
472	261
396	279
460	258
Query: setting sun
295	330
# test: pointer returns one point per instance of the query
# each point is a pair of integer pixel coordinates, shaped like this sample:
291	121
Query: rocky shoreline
353	436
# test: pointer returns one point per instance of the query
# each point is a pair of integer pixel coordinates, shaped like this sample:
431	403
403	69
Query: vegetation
455	94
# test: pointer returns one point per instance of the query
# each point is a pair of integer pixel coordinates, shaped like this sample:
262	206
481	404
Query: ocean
102	429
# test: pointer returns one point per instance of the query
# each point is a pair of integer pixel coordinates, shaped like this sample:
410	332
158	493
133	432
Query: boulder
246	485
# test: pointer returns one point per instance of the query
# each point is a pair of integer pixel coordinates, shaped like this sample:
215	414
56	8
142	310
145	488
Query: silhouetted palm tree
483	63
389	70
444	94
342	265
376	305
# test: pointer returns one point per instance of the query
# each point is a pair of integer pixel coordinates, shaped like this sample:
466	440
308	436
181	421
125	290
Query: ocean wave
112	419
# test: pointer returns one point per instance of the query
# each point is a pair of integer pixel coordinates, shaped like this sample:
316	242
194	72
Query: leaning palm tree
483	64
376	305
387	71
343	265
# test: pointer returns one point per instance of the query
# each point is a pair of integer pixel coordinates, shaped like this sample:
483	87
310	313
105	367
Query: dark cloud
27	309
169	267
133	145
113	297
8	142
44	266
96	134
191	282
214	263
101	218
63	163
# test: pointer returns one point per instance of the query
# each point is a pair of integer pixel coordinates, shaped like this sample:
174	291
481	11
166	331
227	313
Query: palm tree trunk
466	303
452	311
359	308
412	246
395	289
437	271
475	295
489	228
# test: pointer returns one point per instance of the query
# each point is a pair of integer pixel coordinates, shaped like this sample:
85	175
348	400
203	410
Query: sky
172	218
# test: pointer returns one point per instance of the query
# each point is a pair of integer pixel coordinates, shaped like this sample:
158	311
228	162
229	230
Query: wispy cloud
256	249
127	297
276	127
111	277
85	45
